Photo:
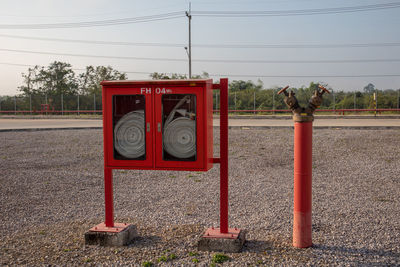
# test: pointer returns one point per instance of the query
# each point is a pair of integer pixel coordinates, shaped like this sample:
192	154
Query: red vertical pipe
224	156
108	190
302	184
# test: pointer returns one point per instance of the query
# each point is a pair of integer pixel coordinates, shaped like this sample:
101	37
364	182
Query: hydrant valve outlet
303	114
323	89
283	90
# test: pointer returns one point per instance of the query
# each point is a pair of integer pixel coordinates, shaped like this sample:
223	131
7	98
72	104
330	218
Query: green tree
58	78
30	85
369	88
89	81
176	76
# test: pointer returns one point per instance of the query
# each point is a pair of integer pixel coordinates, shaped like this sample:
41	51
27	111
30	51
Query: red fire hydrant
303	118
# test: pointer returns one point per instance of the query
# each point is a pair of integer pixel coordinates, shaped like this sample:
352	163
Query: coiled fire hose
129	135
179	136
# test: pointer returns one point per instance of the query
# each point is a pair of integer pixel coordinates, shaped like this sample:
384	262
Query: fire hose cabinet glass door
180	128
127	129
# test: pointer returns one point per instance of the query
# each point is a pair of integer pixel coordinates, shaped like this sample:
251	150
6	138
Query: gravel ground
51	192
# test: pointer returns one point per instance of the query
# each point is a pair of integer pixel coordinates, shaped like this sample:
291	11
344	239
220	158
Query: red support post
108	190
224	156
302	184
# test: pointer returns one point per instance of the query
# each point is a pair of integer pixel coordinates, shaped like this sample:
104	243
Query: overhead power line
208	60
180	14
130	20
297	12
243	75
180	45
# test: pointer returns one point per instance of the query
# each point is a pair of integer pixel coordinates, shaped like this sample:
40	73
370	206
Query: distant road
42	124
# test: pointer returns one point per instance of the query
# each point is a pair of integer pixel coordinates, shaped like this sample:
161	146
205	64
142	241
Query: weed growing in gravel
219	258
172	176
165	257
147	264
190	176
66	250
87	260
191	253
381	199
162	258
197	180
195	260
42	232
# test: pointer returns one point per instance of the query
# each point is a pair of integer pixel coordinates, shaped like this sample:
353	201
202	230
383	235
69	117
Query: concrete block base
230	242
119	235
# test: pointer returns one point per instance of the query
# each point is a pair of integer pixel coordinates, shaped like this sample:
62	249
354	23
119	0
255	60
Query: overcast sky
367	27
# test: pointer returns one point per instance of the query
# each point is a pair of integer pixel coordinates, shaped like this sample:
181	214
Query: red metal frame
224	155
204	134
223	231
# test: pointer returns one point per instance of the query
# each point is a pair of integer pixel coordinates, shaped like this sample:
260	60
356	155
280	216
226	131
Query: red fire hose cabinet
164	125
158	125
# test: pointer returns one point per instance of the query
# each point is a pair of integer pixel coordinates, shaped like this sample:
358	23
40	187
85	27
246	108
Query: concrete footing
120	235
230	243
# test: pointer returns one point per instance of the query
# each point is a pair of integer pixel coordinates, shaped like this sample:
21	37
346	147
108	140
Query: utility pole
236	106
273	101
189	15
254	102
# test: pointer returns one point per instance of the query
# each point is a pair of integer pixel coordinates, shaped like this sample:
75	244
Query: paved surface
317	123
18	124
26	124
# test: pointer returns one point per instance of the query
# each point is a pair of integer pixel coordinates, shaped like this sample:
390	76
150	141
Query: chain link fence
247	101
50	104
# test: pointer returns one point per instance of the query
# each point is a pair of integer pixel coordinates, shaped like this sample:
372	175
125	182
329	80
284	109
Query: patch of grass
219	258
213	264
87	260
195	260
162	258
165	257
192	253
382	199
259	262
66	250
190	176
42	232
147	264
